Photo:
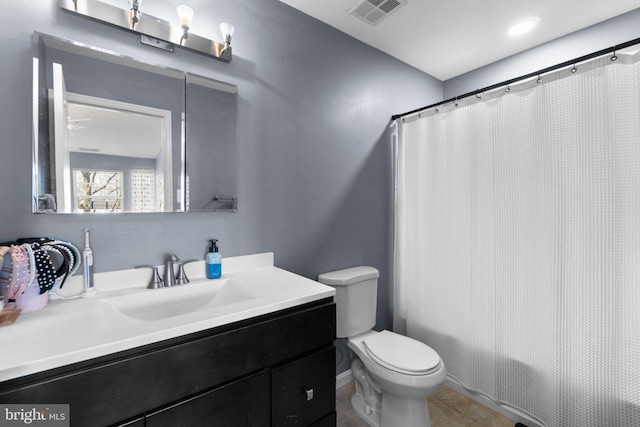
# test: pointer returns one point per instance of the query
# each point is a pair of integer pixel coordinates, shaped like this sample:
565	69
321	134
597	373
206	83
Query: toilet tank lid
348	276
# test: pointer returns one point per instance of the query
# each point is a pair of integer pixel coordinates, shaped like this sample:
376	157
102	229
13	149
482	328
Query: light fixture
154	31
185	13
523	26
227	31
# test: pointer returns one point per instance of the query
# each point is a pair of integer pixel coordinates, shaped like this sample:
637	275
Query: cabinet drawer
304	391
243	403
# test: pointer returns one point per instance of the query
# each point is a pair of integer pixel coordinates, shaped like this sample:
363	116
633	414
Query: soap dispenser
213	261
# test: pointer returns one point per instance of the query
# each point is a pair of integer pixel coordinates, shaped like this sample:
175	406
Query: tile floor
447	409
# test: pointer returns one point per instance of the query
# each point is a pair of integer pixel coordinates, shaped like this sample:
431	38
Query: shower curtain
517	242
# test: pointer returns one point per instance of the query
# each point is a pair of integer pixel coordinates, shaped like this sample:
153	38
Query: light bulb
226	29
185	13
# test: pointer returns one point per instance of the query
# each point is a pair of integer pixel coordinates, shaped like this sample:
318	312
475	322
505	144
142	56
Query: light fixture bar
154	42
149	26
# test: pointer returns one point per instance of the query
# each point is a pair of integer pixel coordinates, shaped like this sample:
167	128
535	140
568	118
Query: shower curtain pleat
517	243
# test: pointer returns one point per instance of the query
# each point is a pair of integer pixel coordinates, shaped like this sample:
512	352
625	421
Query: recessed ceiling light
523	26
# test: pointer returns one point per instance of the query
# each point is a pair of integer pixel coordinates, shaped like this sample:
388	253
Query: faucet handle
181	276
156	281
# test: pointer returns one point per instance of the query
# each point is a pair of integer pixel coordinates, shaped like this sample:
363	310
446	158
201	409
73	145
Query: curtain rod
527	76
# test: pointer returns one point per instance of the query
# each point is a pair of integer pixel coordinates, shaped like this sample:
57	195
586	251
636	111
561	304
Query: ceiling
451	37
111	131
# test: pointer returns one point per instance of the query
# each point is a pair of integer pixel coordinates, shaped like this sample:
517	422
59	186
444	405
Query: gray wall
606	34
315	172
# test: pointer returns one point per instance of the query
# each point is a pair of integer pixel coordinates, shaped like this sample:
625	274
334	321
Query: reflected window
143	190
98	191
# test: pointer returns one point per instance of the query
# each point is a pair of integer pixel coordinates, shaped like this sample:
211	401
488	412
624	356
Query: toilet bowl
393	373
401	372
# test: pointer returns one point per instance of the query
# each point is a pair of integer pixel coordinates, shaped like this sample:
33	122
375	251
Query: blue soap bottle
213	261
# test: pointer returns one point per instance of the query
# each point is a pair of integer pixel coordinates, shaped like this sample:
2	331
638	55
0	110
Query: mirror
115	134
211	132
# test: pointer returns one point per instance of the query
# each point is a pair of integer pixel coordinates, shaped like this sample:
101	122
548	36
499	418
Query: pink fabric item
20	273
32	299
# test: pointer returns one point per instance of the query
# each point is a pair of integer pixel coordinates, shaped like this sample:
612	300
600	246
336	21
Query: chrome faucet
169	275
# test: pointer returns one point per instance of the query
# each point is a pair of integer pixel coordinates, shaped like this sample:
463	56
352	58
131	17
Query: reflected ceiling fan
74	125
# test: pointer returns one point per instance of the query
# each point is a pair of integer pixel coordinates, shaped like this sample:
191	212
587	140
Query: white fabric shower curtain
517	242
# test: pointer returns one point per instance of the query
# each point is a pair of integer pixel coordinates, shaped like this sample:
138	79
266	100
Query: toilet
393	373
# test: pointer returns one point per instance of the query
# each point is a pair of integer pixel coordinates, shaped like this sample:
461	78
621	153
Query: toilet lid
401	354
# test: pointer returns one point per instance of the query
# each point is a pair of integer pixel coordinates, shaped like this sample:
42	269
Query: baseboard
511	413
344	378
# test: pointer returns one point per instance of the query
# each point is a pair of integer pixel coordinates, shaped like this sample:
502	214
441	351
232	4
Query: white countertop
67	331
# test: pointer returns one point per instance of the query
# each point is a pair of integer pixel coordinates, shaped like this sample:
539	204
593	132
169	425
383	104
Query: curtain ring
539	79
614	57
508	89
437	110
478	96
574	69
455	102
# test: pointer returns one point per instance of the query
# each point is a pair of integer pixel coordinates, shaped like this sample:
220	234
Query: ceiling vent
374	11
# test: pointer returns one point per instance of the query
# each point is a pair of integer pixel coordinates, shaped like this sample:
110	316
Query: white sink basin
156	304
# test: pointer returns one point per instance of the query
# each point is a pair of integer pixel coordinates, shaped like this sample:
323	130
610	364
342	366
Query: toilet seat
401	354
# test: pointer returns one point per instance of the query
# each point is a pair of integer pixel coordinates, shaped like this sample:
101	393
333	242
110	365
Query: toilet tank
356	298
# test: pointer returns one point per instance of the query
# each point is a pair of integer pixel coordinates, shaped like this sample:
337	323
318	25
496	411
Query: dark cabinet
249	373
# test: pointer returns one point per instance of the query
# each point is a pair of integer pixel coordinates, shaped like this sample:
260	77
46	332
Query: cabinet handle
308	392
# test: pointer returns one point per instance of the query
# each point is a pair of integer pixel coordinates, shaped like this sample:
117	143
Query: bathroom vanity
262	356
